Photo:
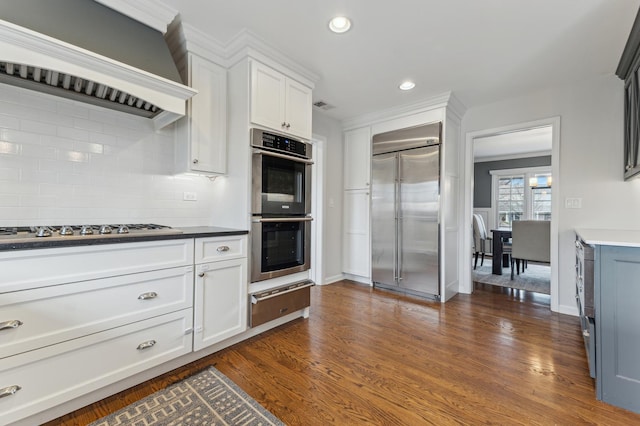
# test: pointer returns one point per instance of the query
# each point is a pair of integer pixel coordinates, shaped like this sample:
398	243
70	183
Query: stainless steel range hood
82	50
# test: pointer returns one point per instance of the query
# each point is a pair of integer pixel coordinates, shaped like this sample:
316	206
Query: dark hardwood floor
365	356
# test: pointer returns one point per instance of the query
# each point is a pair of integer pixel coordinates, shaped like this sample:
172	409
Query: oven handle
255	299
286	157
282	219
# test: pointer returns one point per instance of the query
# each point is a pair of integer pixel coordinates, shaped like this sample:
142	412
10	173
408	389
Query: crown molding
152	13
434	102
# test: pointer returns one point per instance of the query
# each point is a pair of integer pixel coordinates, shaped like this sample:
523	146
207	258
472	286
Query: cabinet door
267	97
220	301
208	113
356	234
357	158
618	327
298	109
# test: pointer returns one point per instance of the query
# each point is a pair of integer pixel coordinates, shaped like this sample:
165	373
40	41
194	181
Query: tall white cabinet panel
221	296
279	102
357	158
356	233
202	142
357	177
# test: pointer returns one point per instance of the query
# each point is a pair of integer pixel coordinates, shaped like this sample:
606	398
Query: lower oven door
279	246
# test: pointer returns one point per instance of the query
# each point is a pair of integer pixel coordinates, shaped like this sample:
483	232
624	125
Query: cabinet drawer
277	303
50	315
53	375
25	269
220	248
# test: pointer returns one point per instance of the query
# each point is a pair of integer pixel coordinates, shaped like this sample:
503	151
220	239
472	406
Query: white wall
63	161
332	253
591	163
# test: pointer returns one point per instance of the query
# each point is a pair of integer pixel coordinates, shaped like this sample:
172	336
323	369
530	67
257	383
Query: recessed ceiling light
407	85
340	24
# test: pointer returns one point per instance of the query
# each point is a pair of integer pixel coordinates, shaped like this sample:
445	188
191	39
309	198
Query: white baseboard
333	279
568	310
359	279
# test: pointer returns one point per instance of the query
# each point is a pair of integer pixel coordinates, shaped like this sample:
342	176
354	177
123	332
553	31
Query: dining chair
480	238
531	240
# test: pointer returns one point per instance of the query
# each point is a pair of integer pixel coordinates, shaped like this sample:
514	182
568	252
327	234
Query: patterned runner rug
206	398
537	277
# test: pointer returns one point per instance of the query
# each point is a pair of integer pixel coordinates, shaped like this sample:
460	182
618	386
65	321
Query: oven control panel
274	141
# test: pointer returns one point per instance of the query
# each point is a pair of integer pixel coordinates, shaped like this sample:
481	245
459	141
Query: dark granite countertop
187	232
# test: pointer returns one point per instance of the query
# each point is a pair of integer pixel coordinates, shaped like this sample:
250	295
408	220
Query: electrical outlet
573	203
189	196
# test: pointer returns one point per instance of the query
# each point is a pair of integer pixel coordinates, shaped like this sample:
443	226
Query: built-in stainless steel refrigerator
405	210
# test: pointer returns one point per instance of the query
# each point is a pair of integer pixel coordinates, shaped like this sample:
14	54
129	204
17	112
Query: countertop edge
610	237
188	232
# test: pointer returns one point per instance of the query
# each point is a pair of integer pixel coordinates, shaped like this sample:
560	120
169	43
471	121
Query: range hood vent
105	59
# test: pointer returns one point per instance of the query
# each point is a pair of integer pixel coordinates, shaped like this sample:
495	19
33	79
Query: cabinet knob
10	324
288	125
9	390
201	274
195	161
283	124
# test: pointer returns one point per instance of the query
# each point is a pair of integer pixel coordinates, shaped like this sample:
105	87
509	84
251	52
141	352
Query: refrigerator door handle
399	220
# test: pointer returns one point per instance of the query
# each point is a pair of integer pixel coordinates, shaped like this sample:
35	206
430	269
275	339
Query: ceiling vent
85	51
323	105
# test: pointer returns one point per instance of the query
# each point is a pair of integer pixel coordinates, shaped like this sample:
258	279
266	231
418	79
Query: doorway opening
512	173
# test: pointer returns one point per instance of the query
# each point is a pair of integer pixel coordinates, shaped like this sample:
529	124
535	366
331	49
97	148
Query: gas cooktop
70	232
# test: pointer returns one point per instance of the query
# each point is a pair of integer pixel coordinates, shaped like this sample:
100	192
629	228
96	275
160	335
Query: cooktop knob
123	229
43	231
105	229
66	230
86	230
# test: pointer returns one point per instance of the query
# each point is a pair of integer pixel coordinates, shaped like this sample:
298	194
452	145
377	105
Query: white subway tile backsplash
39	127
63	162
71	133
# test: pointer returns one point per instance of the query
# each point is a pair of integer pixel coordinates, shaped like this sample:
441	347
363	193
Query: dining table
499	258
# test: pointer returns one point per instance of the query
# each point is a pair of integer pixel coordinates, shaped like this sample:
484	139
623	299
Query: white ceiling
482	51
519	144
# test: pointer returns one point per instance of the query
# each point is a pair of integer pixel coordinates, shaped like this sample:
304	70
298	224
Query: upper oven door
281	184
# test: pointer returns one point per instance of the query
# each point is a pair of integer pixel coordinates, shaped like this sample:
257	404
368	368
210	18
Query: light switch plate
573	203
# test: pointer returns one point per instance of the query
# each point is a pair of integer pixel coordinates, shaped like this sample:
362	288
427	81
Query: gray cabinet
628	70
617	300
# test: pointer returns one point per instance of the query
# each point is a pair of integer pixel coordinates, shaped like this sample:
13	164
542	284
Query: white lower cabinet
221	289
55	374
113	311
221	302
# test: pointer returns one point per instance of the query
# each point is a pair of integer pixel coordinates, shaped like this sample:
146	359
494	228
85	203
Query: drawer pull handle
201	274
585	333
10	324
146	345
222	249
148	295
259	298
283	310
9	390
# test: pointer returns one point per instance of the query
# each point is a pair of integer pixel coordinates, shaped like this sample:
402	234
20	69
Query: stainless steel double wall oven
281	205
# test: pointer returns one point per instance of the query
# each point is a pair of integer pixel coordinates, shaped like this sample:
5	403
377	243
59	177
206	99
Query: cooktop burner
24	233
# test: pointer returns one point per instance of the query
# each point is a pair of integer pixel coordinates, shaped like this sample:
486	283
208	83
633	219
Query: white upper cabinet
279	102
357	158
202	140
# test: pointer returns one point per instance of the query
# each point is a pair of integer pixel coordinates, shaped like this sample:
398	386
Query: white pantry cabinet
356	241
220	289
202	135
279	102
357	177
357	158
